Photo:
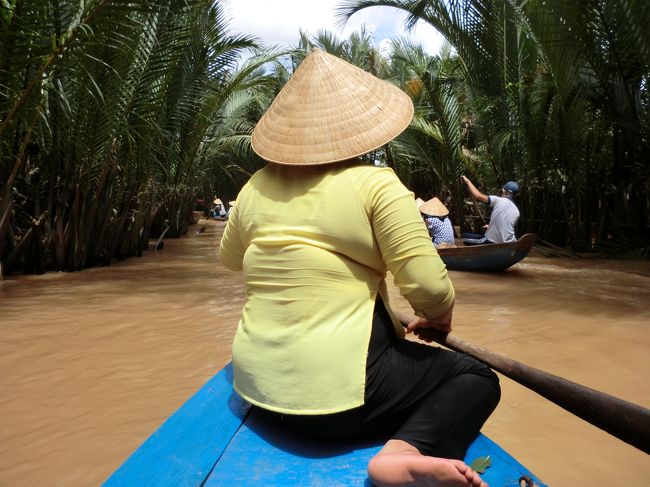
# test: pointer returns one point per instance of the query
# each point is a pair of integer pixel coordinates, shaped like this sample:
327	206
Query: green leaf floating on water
480	464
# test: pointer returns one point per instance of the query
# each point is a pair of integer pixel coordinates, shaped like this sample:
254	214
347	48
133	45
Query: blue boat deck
215	439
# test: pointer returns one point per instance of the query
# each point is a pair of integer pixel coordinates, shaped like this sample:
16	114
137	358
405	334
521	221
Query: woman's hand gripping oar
624	420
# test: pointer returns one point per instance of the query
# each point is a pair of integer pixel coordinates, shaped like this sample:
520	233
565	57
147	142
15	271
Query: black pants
432	398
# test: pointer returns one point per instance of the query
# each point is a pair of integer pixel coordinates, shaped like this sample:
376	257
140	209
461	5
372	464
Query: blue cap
511	187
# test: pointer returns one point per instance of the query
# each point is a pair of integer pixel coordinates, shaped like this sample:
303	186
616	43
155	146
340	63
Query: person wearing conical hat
231	204
503	218
217	210
436	218
315	232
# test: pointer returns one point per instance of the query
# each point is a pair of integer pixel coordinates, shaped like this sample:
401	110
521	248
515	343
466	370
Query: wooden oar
624	420
478	210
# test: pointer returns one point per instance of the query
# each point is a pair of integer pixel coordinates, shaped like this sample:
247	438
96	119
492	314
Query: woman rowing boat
315	232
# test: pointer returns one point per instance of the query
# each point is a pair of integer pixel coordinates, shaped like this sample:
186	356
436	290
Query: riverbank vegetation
116	116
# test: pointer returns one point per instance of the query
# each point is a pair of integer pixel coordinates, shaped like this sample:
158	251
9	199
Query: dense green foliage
106	109
117	115
552	94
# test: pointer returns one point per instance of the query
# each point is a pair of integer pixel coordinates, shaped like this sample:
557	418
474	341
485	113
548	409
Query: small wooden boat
487	257
215	439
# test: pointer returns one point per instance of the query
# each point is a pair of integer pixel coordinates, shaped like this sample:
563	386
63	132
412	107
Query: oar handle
624	420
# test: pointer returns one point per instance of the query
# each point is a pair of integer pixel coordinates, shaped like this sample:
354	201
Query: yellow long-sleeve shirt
314	244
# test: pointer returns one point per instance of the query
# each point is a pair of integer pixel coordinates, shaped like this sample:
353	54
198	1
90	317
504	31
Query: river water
93	362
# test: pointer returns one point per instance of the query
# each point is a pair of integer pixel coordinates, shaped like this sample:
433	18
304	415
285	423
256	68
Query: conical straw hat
217	201
330	111
434	207
419	202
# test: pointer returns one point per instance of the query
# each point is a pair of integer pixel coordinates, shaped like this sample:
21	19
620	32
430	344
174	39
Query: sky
277	22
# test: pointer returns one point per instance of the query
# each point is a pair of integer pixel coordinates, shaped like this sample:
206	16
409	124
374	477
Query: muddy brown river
93	362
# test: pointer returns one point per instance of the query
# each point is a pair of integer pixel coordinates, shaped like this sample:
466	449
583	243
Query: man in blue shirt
503	218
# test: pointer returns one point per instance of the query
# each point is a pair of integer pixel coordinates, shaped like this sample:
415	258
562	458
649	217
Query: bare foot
401	464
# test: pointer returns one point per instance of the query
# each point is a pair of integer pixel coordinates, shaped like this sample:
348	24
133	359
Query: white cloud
277	22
